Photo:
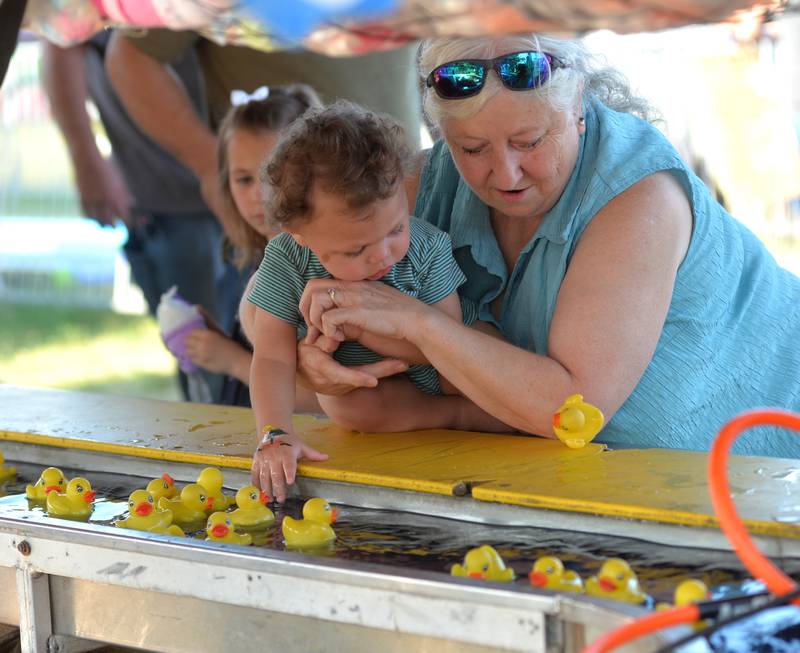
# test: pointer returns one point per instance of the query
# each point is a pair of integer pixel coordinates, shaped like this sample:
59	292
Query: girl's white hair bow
238	98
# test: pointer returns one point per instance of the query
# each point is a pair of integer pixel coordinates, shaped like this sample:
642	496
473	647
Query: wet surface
417	542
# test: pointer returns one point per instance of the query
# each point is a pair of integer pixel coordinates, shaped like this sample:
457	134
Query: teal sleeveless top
731	341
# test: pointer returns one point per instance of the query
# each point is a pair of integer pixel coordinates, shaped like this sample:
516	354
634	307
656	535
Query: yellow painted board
655	484
430	461
660	485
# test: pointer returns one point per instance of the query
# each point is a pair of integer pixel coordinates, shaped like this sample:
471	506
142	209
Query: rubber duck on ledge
51	480
190	506
220	529
211	479
576	422
76	502
616	581
6	471
162	487
314	530
549	573
143	515
485	563
252	511
688	591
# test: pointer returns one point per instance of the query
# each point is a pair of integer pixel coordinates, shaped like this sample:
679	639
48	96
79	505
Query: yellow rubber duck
6	471
252	511
51	480
162	487
189	507
220	529
485	563
576	422
549	573
144	516
211	479
77	501
688	591
314	530
616	581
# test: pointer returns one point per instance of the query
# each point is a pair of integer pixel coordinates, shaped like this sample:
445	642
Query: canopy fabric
350	27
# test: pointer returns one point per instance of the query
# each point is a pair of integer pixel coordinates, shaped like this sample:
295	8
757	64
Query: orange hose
758	565
655	621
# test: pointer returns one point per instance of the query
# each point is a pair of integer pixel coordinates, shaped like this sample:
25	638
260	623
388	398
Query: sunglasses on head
518	71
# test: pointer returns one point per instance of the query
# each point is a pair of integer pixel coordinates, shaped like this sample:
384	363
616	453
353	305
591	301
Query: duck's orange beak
556	420
263	498
334	514
50	488
607	584
475	574
209	503
220	530
89	496
168	479
538	579
143	509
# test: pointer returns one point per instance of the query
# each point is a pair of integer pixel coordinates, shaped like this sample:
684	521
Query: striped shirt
428	272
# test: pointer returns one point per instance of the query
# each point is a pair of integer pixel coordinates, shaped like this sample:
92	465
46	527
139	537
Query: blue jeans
184	250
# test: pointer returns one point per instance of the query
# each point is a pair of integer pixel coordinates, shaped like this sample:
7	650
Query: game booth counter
458	541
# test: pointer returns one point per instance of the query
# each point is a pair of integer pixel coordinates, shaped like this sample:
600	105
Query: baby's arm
393	348
272	394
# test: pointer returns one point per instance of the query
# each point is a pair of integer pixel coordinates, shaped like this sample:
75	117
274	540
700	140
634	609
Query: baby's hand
275	465
211	350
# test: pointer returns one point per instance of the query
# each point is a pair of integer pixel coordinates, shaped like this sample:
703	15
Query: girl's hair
282	107
358	155
581	71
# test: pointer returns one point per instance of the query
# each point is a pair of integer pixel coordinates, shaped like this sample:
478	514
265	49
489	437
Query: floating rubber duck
485	563
162	487
616	581
314	530
51	480
549	573
6	471
145	516
211	479
688	591
252	511
77	501
576	422
190	506
220	529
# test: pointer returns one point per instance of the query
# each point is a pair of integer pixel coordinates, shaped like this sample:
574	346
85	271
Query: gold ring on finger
332	294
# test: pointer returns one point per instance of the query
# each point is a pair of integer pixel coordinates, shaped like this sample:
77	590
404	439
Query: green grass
84	349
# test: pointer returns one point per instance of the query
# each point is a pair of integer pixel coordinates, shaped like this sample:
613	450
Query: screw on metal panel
461	489
24	548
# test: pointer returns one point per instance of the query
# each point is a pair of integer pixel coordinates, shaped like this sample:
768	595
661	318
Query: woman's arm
608	318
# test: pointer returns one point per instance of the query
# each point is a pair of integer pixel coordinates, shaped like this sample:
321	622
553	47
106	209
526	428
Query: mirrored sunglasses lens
459	79
524	70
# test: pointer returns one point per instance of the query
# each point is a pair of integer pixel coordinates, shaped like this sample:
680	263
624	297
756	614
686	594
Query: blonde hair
280	109
581	71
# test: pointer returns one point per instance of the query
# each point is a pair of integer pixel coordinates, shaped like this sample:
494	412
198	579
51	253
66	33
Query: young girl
246	137
335	186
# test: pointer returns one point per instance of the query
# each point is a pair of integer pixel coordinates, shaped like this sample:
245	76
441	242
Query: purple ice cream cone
175	341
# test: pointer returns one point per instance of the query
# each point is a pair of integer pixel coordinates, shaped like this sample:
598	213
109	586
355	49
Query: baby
334	185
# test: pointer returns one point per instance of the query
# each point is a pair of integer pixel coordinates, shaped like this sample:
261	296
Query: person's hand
318	371
103	194
333	307
209	349
275	465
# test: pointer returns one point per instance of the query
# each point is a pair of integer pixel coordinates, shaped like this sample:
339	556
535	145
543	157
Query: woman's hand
329	304
275	465
318	371
209	349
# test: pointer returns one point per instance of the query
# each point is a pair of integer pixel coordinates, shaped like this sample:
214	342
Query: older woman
594	250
